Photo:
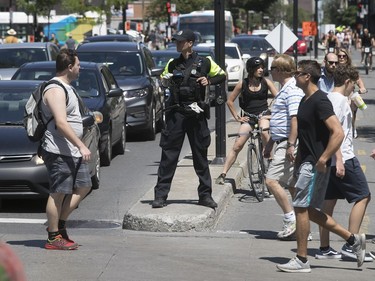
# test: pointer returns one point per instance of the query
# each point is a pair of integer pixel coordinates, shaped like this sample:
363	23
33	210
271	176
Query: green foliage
39	7
333	14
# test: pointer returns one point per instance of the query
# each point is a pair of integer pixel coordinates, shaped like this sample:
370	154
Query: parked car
109	37
100	92
134	69
235	62
22	171
302	46
12	56
162	57
255	46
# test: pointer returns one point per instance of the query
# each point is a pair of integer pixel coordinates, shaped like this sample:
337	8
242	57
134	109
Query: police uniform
181	119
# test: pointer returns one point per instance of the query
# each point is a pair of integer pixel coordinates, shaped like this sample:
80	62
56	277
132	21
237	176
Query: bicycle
367	51
255	161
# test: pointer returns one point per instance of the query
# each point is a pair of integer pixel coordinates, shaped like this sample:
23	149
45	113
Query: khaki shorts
280	169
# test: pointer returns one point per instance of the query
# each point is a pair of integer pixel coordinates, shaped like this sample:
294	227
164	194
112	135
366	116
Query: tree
335	14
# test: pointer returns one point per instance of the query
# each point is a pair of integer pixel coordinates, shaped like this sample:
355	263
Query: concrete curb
182	213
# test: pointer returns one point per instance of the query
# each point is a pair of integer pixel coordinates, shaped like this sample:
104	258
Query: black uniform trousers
171	141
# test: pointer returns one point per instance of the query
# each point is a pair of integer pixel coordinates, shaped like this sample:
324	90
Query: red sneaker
60	243
65	235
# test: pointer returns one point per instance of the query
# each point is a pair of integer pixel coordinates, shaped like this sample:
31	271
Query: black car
255	46
22	171
162	57
12	56
100	92
109	37
133	67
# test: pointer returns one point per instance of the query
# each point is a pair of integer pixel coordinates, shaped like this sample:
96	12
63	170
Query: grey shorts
66	173
311	186
280	168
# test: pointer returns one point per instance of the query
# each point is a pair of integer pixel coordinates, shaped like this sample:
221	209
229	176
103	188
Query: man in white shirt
347	180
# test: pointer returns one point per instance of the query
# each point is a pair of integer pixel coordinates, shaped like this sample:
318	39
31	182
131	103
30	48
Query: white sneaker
358	248
295	265
289	227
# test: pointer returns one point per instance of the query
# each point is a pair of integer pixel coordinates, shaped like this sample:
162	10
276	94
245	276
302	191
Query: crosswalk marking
21	220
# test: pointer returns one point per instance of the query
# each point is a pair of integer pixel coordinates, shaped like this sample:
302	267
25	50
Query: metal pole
317	34
220	90
295	28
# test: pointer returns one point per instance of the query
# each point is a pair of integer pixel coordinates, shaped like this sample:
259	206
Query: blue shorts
310	187
66	172
353	187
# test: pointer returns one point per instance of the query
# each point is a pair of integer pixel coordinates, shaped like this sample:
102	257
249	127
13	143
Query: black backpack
32	120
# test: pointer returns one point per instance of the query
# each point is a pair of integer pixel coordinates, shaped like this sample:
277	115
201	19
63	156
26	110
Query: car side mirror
117	92
157	71
88	120
245	57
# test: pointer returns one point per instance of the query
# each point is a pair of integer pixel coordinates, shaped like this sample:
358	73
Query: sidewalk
182	212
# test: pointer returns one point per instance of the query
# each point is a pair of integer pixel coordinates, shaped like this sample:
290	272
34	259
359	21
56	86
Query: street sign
309	28
281	38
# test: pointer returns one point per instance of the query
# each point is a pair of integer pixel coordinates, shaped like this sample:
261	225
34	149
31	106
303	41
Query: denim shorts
281	169
311	186
66	172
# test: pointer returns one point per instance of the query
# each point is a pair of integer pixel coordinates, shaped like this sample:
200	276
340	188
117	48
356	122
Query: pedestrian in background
283	131
347	180
326	80
11	38
188	77
319	136
70	43
63	152
252	93
54	39
344	59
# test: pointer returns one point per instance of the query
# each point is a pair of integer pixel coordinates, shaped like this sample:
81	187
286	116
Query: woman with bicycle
253	99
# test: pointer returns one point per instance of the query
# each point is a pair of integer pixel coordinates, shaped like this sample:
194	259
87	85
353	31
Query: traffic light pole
220	90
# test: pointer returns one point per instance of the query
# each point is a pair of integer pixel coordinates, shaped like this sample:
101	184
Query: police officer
187	77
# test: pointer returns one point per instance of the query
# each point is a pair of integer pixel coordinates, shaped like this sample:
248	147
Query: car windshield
86	85
161	60
121	64
12	104
250	45
231	53
14	58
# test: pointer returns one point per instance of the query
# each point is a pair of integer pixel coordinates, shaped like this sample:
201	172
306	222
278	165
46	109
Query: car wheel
151	128
95	179
119	148
106	156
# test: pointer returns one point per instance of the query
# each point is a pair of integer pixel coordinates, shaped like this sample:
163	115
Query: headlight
263	56
98	117
37	160
303	44
136	93
235	68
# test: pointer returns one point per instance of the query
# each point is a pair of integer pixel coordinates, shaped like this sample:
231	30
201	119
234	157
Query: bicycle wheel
255	172
367	59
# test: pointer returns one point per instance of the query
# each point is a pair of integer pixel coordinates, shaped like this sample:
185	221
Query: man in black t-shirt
320	135
366	41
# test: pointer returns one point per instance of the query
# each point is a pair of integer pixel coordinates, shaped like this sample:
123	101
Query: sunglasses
332	62
273	68
341	56
299	73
